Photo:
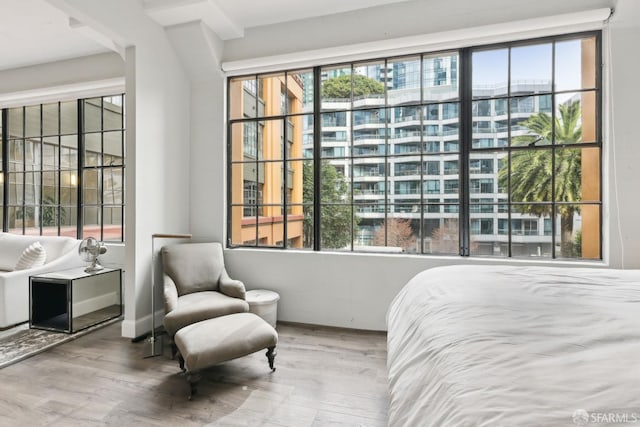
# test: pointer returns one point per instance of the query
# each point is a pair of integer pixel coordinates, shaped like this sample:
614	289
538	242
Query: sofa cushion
33	256
11	248
200	306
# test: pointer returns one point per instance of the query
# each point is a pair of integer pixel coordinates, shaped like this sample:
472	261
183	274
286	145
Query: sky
530	63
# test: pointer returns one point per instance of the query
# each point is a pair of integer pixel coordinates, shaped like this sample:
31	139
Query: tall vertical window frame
268	207
547	146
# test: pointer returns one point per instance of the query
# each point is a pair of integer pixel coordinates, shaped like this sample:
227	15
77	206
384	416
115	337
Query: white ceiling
229	18
34	31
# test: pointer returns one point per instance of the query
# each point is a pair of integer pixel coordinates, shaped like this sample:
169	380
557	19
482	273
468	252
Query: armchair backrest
194	267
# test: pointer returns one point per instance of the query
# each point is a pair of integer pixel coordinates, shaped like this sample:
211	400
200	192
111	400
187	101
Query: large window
543	99
63	168
268	206
492	150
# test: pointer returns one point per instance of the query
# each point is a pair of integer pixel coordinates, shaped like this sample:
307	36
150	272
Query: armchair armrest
230	287
170	294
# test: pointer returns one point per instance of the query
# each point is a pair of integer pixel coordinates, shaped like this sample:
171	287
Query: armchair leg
174	350
181	361
271	355
193	378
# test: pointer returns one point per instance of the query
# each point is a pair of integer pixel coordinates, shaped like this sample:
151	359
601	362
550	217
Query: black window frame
79	133
464	145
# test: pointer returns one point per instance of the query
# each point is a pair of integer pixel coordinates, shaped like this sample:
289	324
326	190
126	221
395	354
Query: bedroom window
268	206
63	165
484	151
548	176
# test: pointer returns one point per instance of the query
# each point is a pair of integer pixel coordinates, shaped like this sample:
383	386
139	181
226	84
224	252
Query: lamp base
154	346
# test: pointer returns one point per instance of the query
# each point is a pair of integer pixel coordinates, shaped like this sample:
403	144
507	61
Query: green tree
532	175
49	212
335	214
340	87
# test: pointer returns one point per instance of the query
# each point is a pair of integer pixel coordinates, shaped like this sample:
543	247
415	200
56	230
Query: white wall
355	290
158	134
392	21
622	148
60	80
200	51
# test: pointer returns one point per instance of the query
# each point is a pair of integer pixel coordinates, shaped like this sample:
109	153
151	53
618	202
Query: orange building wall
590	156
270	224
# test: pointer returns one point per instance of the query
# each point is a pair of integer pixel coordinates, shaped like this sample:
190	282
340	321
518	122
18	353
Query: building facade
266	176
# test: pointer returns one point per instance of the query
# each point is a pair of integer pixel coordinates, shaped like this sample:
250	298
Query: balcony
359	138
368	193
369	208
367	175
369	100
365	150
407	172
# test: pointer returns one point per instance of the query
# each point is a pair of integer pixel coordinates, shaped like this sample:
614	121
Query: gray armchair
197	286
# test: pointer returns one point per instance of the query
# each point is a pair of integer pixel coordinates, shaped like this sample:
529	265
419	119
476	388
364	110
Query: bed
515	346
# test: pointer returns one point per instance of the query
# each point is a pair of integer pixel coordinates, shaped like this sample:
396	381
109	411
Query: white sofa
61	254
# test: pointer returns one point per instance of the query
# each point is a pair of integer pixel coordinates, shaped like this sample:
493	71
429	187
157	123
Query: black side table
71	300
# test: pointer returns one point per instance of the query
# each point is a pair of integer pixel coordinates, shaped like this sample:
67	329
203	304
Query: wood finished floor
324	377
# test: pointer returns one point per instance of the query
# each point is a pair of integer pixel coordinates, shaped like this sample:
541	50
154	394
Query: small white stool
264	303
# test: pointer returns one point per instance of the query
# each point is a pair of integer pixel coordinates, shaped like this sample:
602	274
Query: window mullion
510	146
466	135
285	169
229	169
554	206
5	169
101	170
351	161
423	205
79	169
40	172
24	168
317	151
387	157
58	169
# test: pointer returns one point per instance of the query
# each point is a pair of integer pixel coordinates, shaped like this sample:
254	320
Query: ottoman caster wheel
271	356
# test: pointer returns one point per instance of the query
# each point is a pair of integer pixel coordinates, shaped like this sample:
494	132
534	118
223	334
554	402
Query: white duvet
515	346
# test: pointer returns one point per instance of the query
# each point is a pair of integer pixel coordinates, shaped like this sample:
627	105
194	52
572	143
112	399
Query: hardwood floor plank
324	377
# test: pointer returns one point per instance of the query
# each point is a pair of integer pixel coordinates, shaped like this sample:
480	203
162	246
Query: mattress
515	346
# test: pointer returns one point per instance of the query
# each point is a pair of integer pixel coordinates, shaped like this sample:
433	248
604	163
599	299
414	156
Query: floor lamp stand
155	343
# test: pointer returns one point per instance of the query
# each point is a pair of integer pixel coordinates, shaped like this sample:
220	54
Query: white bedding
515	346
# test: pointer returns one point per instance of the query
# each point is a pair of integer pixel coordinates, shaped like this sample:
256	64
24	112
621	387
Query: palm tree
531	169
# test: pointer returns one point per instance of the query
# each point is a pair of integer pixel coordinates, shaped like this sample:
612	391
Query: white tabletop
72	273
262	296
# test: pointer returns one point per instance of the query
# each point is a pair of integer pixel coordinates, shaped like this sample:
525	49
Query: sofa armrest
170	294
230	287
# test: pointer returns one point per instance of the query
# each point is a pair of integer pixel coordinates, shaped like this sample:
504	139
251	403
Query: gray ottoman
212	341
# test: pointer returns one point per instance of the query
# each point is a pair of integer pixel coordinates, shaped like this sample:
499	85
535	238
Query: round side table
264	303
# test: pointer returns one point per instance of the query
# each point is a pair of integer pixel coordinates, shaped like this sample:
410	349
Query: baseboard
328	327
140	328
